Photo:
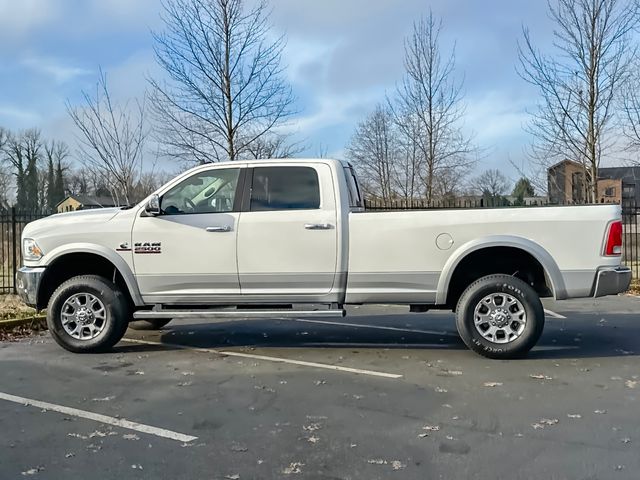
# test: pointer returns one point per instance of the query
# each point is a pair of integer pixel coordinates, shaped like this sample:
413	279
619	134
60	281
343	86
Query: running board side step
164	314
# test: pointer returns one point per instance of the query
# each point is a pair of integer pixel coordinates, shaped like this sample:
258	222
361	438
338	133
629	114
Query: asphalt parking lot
379	394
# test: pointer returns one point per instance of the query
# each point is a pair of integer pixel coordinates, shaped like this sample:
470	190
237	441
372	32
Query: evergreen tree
31	184
51	186
522	189
59	183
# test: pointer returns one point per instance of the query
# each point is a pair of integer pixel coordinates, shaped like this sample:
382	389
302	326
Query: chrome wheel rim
500	318
83	316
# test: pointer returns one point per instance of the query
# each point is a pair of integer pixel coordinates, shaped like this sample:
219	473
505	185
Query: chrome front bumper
27	284
611	281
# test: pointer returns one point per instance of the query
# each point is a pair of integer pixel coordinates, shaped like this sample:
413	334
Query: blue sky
343	56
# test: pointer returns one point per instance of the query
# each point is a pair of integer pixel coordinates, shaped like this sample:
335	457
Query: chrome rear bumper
611	281
27	284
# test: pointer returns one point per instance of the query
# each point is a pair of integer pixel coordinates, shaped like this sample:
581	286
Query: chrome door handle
218	229
318	226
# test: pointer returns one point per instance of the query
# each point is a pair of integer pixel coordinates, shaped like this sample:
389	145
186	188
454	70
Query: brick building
567	184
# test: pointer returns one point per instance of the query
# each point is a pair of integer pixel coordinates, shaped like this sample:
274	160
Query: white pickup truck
291	237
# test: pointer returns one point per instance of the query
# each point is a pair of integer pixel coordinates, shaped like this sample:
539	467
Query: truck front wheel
87	314
500	316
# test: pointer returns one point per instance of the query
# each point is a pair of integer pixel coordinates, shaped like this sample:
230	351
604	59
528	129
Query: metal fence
631	239
11	225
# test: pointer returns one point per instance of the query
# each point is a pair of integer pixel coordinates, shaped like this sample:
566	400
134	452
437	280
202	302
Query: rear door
287	237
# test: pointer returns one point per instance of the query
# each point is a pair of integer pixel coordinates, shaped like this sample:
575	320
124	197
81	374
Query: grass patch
634	289
12	308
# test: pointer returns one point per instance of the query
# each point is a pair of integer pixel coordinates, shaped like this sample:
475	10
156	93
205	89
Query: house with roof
85	202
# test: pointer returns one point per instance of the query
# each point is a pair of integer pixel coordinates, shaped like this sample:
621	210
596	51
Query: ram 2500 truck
291	237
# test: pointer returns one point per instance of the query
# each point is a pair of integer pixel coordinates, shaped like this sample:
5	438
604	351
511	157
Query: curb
19	322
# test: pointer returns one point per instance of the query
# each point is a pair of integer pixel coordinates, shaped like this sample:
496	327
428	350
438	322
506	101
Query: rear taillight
613	247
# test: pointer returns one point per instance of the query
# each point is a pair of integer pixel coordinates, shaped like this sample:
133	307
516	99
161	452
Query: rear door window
284	188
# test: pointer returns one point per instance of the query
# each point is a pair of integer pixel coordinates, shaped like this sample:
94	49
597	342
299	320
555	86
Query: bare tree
410	156
5	173
273	145
631	110
373	151
23	151
111	137
431	97
56	153
580	84
492	183
226	85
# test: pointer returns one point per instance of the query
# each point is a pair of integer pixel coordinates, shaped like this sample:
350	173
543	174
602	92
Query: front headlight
30	250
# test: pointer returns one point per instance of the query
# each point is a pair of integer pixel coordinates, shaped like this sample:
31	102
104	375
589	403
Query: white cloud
10	115
55	68
22	16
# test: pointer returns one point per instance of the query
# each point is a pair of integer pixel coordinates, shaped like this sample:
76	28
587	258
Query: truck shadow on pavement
560	339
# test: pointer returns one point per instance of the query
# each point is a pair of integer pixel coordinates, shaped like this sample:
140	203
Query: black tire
116	313
154	324
519	290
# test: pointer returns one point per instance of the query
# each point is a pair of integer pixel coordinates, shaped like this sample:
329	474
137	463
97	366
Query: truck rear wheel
87	314
154	324
500	316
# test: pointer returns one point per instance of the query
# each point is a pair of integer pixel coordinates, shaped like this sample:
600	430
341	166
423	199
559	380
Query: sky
342	57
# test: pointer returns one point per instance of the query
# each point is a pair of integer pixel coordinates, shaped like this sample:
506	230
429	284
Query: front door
188	252
287	237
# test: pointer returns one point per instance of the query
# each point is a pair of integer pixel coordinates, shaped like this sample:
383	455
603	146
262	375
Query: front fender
104	252
538	252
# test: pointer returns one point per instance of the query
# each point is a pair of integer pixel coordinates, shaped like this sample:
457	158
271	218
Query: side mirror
152	208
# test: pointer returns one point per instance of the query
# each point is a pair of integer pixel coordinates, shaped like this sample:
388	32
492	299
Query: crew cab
291	238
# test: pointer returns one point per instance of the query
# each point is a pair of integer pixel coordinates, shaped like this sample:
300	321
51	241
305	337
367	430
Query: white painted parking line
301	363
376	327
553	314
116	422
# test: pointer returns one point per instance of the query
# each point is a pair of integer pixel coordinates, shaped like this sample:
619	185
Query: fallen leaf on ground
312	427
294	467
431	428
549	421
33	471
